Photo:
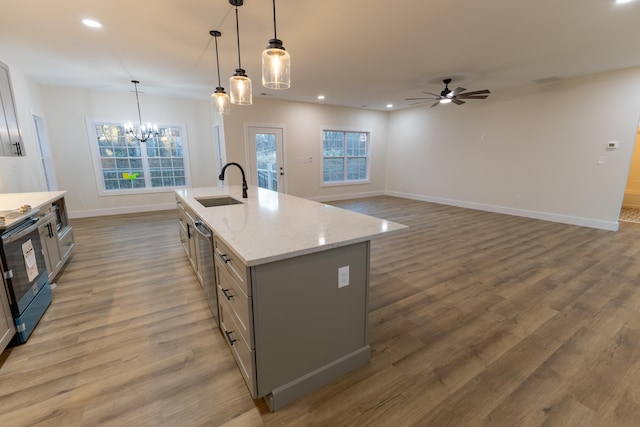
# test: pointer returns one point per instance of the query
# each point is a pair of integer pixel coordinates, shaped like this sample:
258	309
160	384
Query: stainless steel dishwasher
204	255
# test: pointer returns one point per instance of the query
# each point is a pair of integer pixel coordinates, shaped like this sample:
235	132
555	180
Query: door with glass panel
266	158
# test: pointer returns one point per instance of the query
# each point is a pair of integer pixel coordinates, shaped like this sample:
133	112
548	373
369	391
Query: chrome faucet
244	181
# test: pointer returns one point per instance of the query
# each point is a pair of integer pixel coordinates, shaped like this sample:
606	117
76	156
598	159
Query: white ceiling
356	52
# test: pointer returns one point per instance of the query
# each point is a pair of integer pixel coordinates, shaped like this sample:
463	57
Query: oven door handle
31	228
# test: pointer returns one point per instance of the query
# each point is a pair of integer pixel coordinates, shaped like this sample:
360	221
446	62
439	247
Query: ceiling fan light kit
451	96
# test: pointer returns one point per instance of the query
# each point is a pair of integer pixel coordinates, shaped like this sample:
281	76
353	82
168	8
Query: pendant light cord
275	34
238	34
138	103
217	61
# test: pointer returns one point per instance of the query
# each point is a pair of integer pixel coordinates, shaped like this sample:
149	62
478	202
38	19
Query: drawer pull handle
225	258
228	334
226	295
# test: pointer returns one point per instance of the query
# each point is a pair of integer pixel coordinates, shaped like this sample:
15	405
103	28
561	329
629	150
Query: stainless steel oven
24	273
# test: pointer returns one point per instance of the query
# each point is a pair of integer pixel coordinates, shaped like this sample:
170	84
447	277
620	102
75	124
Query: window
123	164
345	156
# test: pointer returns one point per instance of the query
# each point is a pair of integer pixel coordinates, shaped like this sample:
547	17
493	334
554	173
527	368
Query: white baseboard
347	196
545	216
120	210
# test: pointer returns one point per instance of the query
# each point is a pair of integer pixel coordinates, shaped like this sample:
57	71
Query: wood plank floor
475	319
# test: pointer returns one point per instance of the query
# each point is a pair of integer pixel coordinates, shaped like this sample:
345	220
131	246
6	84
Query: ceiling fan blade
458	90
457	101
434	94
419	102
436	103
474	97
477	92
416	99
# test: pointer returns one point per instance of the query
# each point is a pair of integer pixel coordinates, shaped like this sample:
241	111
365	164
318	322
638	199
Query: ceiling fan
447	95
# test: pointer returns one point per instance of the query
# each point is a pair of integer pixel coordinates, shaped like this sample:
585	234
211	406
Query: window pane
333	144
108	164
333	170
357	168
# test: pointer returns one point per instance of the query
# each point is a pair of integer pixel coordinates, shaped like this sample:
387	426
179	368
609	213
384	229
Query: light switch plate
343	276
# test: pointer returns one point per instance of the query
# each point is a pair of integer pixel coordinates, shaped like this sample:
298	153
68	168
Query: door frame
250	160
44	149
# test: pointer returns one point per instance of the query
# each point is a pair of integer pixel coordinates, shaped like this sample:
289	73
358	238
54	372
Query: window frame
345	181
97	164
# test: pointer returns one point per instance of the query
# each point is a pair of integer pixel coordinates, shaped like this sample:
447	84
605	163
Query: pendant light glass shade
276	62
240	88
239	84
219	98
220	101
276	66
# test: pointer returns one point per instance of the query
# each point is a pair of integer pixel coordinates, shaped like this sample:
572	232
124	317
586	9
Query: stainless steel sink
209	202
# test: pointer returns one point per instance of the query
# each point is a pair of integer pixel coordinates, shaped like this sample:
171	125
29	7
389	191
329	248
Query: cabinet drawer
238	302
228	259
183	214
241	352
66	242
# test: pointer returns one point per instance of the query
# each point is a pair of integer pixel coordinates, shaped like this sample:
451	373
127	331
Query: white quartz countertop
270	226
13	201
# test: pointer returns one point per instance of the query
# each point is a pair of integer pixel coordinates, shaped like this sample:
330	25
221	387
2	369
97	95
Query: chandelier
145	132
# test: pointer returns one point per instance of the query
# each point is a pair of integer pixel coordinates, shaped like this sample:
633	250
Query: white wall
533	154
303	124
24	174
67	110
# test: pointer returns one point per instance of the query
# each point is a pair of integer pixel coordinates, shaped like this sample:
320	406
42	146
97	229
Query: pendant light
276	62
219	98
239	83
146	132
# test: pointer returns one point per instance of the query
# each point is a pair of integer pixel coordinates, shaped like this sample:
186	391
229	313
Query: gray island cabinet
292	278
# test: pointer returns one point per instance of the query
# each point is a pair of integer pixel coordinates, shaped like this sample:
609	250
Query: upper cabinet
10	138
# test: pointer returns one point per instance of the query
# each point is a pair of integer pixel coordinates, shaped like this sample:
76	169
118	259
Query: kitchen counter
270	226
13	201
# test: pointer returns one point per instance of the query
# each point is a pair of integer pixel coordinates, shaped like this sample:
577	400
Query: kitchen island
292	281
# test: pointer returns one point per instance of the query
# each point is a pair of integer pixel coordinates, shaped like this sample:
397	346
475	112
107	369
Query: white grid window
345	156
124	164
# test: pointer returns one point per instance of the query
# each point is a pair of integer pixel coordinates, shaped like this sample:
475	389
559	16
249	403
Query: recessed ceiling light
320	97
623	1
92	23
389	105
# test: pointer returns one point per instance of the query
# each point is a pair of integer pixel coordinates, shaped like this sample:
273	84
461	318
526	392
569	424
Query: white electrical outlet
343	276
